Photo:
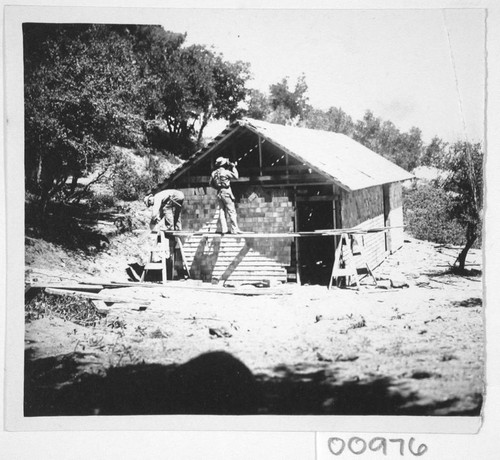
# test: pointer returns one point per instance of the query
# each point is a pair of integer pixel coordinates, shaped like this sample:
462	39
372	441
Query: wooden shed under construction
291	180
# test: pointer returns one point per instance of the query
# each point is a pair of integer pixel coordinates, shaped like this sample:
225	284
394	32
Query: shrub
100	201
132	180
426	209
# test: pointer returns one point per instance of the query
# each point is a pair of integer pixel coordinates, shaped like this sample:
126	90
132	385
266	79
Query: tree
386	139
258	104
282	98
190	87
334	119
464	162
433	153
89	87
80	87
367	130
425	207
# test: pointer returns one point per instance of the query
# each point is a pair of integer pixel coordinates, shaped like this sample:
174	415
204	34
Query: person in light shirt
221	177
167	208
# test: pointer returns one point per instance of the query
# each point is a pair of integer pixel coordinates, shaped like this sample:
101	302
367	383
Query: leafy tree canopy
89	87
282	98
288	107
80	87
433	154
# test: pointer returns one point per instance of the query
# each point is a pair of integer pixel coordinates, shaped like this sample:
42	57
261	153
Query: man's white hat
221	161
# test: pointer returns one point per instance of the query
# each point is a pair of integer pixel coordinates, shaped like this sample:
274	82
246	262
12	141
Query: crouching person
165	215
167	208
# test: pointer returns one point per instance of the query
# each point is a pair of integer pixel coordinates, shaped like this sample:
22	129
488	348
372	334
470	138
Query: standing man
167	207
220	180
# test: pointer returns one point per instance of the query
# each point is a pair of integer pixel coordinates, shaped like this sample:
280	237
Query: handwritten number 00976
358	445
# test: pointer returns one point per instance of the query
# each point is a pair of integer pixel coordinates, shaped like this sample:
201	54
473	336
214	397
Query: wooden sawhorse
344	264
164	253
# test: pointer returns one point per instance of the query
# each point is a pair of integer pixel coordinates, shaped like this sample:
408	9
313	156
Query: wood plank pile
107	293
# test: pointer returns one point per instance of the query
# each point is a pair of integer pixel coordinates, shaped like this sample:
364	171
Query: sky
422	68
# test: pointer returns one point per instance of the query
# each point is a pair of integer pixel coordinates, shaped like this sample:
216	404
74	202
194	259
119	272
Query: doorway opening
315	253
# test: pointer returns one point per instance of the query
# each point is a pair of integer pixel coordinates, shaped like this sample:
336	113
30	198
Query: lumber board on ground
96	296
198	286
72	286
100	306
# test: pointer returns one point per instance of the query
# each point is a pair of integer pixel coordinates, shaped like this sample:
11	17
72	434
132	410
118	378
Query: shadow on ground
72	226
213	383
455	271
468	303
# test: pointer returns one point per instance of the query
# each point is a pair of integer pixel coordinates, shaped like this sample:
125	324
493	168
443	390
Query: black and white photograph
257	213
249	212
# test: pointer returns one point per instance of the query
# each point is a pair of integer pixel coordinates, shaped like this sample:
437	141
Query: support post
260	156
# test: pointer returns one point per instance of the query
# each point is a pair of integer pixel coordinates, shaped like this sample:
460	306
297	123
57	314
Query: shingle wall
268	211
259	210
365	209
271	210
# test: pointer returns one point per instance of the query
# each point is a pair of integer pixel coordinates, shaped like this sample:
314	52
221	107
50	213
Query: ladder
344	264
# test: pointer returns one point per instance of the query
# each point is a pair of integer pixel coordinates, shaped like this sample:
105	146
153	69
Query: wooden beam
312	178
297	243
216	142
315	233
275	169
293	184
317	198
260	156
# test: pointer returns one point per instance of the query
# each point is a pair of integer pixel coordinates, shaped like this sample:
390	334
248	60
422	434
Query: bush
127	181
131	182
100	201
426	209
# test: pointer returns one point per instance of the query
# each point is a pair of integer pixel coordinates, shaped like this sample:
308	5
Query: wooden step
248	262
219	273
253	279
252	276
250	269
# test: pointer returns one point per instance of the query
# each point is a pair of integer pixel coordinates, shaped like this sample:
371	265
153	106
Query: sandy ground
303	350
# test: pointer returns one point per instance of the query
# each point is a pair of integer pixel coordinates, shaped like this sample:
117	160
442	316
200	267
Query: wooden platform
230	258
316	233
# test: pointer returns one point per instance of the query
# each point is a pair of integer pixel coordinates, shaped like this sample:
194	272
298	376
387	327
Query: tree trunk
204	121
471	238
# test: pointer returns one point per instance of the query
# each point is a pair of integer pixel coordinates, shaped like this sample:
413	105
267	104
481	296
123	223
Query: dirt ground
417	350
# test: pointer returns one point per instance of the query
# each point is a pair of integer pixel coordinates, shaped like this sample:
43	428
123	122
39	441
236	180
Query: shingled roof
340	158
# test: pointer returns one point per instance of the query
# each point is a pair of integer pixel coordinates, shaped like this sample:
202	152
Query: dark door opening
315	253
